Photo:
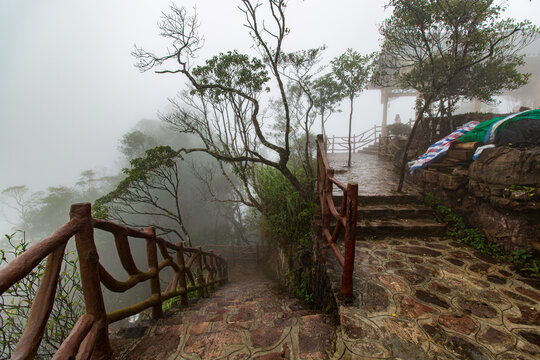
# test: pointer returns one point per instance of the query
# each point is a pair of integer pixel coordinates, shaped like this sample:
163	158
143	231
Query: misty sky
69	89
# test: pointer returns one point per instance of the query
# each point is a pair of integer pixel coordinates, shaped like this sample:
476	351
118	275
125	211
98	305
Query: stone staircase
370	149
396	215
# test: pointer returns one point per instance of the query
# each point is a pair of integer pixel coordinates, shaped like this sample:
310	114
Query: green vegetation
459	230
16	302
287	221
530	191
285	214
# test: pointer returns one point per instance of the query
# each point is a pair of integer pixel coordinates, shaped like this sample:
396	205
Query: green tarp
479	132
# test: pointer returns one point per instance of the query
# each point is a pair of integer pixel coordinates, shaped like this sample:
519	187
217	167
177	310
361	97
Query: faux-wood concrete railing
89	336
345	218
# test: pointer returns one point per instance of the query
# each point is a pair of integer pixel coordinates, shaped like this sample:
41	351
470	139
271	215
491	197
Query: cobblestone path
437	299
248	318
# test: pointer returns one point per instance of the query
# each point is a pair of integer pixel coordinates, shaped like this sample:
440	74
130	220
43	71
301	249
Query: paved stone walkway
248	318
437	299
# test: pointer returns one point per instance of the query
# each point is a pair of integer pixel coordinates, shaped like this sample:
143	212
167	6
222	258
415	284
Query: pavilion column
384	101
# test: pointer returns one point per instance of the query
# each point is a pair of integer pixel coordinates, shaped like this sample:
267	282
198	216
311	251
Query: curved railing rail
194	270
345	218
341	143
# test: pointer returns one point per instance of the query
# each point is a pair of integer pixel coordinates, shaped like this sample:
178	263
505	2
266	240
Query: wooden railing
341	143
236	253
345	218
194	270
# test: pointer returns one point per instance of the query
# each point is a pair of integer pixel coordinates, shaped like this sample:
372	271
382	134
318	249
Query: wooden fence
341	143
345	218
194	270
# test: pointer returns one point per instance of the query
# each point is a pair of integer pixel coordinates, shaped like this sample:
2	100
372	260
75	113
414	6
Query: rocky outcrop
507	166
499	193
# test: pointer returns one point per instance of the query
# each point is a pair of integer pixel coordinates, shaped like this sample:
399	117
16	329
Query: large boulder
507	166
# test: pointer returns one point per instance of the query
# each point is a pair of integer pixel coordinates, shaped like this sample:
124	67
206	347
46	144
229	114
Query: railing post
350	239
354	144
333	142
375	134
89	270
212	271
182	276
327	215
155	288
200	277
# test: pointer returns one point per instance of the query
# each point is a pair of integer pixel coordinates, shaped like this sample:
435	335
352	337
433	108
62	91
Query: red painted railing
345	218
194	270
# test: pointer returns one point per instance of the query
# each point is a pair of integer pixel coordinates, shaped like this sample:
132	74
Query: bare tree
224	106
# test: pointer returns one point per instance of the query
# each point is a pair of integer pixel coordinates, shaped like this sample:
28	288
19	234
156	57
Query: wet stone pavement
434	298
374	175
248	318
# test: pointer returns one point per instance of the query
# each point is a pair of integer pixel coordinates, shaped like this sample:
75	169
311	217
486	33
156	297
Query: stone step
371	147
394	211
401	227
394	199
369	151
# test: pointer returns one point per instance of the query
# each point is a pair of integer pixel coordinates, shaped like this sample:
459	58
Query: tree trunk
419	116
350	126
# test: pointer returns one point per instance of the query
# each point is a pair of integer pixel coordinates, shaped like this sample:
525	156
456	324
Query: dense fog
70	91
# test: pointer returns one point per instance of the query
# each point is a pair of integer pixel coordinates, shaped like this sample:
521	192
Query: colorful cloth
440	148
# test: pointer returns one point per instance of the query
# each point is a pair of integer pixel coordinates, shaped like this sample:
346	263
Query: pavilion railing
194	270
345	218
341	143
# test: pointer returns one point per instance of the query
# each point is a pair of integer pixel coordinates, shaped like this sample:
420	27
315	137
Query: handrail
345	219
201	271
341	143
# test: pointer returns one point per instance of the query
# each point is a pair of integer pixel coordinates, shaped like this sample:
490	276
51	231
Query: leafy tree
353	72
224	108
448	50
16	302
327	94
150	195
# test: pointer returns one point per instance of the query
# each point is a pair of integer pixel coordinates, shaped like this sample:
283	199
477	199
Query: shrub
16	302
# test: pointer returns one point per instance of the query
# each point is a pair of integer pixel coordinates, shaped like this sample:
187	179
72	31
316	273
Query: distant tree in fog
353	71
135	143
327	94
39	213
